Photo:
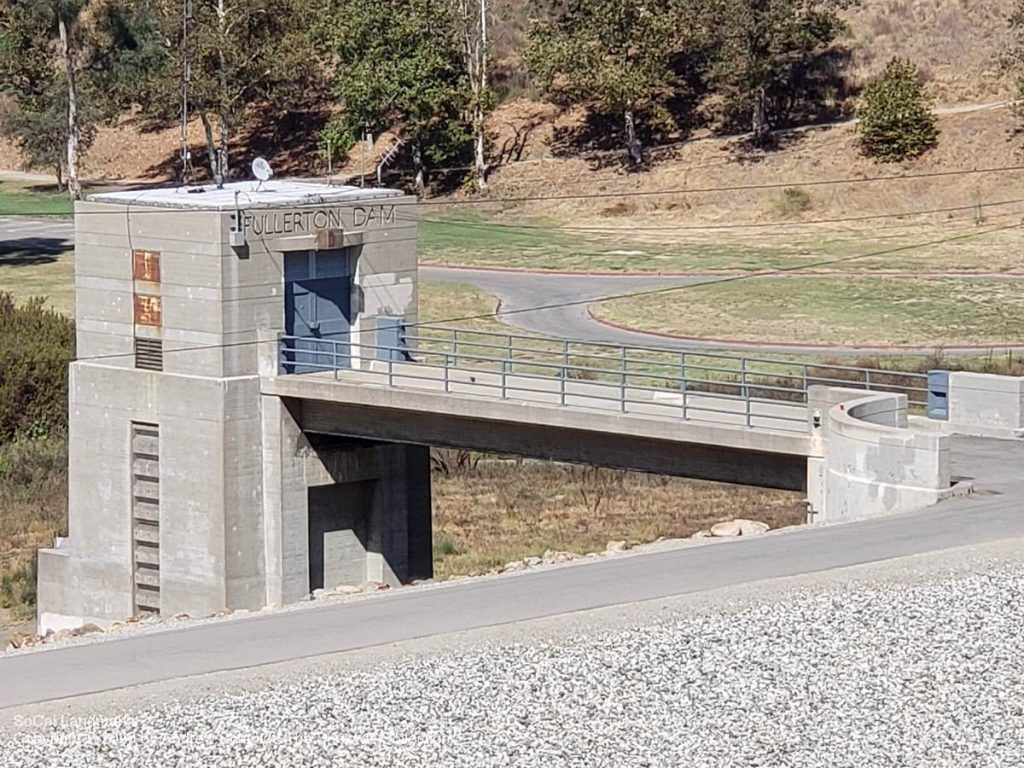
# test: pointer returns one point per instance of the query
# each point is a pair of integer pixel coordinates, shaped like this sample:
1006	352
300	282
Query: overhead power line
722	280
631	294
703	227
733	187
625	193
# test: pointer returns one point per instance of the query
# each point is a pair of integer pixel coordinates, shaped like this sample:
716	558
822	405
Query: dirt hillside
958	44
968	142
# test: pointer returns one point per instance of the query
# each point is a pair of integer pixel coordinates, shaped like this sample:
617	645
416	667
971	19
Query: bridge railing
777	377
703	386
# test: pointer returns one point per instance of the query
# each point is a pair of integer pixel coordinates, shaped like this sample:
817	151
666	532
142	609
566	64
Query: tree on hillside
473	30
65	62
615	53
762	47
895	120
1013	59
402	67
39	65
236	53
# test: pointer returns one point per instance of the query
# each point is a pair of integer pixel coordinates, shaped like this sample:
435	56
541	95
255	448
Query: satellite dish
261	170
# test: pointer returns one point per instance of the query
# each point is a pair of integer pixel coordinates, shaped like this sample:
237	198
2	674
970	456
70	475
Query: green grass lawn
462	241
32	198
923	312
477	240
51	276
26	270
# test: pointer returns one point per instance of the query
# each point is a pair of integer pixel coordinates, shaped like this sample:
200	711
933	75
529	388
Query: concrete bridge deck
705	415
561	419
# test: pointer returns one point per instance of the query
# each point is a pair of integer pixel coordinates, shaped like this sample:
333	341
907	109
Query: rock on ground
739	527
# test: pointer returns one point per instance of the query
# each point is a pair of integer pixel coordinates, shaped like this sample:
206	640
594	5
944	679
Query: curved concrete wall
875	465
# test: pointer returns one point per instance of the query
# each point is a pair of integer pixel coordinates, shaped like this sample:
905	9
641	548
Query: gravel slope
898	672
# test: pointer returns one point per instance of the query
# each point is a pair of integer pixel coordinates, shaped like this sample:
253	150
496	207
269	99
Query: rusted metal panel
148	310
146	266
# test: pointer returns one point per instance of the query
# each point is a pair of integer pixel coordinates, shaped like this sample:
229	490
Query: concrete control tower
190	490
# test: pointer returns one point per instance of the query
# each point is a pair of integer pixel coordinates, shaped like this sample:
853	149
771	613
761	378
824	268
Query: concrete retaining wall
875	465
986	405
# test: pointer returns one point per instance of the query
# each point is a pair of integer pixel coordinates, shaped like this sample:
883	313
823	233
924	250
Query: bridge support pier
368	514
341	511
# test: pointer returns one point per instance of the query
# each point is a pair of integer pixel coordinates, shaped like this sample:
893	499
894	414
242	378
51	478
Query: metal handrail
628	395
689	360
664	350
617	376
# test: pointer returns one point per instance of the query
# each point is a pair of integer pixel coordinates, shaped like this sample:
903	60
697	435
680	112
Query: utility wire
592	195
722	280
703	227
632	294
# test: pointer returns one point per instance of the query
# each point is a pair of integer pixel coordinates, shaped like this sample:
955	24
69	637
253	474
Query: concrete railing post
622	381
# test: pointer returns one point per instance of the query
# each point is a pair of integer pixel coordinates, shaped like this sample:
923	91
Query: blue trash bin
938	395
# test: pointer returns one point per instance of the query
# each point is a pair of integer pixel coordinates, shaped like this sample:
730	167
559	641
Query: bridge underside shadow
354	504
596	448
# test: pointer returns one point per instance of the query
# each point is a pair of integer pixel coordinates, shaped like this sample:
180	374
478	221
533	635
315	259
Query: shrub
18	591
33	497
895	118
792	202
36	345
447	547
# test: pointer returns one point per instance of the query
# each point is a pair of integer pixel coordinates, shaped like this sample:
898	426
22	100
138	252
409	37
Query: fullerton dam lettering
301	222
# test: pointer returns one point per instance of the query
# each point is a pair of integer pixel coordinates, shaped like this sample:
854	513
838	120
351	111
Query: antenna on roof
186	77
262	171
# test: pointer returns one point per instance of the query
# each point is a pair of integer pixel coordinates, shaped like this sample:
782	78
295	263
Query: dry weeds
957	44
500	511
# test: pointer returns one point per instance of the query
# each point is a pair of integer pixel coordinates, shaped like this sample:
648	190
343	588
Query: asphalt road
563	299
550	304
996	513
24	241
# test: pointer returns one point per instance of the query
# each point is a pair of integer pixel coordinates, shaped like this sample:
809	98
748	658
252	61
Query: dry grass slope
957	44
497	511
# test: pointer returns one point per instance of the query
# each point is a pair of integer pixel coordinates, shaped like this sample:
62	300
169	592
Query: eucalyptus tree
402	65
617	54
226	57
762	45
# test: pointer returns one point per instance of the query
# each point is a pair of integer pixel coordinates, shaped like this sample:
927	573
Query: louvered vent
146	516
149	354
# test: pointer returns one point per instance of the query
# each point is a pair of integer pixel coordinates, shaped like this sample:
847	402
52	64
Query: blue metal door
318	311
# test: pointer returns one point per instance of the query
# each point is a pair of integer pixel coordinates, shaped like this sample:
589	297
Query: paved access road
25	241
563	299
548	303
996	513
